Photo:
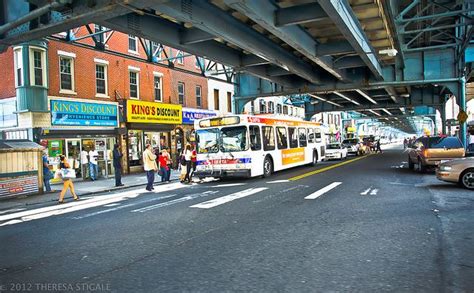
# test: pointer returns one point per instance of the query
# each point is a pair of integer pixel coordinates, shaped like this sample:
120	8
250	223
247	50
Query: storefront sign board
74	113
156	113
190	115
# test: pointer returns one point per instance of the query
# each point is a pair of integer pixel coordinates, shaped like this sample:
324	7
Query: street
369	224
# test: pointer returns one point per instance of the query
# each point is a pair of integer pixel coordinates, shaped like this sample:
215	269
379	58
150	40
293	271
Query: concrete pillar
442	111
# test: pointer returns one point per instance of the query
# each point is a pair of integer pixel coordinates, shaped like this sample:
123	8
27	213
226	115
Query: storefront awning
151	127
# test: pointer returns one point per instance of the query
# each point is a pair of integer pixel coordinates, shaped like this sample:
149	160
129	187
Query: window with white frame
66	73
132	44
134	84
101	80
37	66
180	57
198	96
181	98
18	59
157	87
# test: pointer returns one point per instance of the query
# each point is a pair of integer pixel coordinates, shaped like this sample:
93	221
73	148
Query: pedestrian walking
378	147
164	168
67	181
187	158
117	158
150	167
193	162
405	143
84	163
47	174
93	167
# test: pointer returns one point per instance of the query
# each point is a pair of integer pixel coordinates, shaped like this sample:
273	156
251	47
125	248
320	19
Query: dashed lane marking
175	201
229	185
322	191
326	168
278	181
365	192
228	198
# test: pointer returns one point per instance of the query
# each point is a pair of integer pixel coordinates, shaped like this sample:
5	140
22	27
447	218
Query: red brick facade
7	88
119	59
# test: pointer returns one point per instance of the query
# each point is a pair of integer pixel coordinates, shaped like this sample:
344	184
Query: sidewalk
82	188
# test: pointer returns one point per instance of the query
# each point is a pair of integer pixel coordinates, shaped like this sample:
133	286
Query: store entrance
104	147
73	153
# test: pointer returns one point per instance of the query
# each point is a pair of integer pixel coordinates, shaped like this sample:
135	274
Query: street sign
462	116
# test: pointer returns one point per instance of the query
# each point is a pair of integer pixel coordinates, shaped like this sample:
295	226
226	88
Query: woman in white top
187	157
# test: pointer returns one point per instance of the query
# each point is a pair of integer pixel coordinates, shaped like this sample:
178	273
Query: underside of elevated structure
381	58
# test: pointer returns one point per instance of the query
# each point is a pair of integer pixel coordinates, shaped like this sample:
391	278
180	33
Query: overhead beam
299	14
350	62
210	18
334	48
263	12
194	35
169	33
345	19
81	14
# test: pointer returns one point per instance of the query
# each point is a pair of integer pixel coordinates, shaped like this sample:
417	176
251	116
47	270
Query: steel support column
462	106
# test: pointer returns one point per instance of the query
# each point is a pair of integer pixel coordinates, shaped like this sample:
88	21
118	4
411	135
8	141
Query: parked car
431	151
458	171
336	151
352	145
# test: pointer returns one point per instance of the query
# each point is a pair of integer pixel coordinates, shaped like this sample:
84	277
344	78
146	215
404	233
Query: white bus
249	146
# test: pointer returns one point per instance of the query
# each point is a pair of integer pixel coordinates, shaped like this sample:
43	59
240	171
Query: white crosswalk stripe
175	201
322	191
225	199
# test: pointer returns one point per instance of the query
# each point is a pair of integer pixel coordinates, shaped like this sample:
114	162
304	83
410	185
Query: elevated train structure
381	58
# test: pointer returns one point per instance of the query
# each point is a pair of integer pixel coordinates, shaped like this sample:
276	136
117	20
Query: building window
180	57
285	110
216	99
154	48
18	59
181	99
37	65
198	96
229	102
278	108
101	79
132	44
134	88
199	63
66	73
157	87
100	37
263	107
271	107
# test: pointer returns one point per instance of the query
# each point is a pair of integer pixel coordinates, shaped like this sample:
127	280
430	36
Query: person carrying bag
66	173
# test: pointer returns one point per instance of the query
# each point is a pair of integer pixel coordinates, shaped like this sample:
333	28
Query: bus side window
293	135
255	141
310	135
282	138
302	137
317	134
268	138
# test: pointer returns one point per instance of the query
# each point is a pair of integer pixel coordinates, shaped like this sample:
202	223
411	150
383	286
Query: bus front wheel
267	167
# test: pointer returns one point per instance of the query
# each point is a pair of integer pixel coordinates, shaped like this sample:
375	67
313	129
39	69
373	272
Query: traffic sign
462	116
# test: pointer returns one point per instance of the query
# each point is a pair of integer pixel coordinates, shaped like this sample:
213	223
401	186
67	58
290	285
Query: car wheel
267	167
411	165
467	179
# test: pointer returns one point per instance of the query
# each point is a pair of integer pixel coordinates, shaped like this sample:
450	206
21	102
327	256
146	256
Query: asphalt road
372	225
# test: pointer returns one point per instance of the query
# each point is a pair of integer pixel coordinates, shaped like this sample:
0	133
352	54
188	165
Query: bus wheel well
271	166
315	157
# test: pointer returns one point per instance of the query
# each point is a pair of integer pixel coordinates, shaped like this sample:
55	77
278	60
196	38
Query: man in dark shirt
117	154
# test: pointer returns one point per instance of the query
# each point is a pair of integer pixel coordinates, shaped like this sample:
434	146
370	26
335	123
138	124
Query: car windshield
234	139
334	146
208	140
444	142
349	141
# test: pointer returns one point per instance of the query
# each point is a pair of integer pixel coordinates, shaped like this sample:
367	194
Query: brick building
71	96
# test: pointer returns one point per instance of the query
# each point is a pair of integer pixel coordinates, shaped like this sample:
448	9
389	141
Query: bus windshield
234	139
208	140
